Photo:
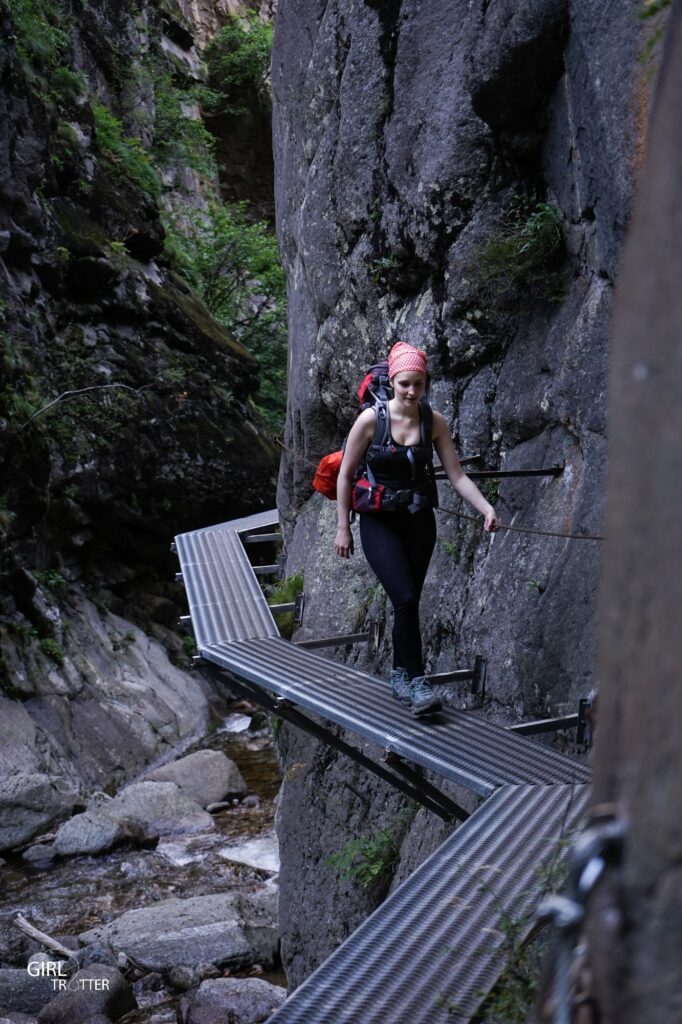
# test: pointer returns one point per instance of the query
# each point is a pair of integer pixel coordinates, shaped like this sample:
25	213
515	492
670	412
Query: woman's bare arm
357	443
445	449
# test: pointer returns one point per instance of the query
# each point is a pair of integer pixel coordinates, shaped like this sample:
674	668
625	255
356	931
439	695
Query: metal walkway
434	950
456	745
401	964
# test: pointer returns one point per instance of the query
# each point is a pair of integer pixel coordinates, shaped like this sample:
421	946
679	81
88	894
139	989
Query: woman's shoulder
365	422
439	421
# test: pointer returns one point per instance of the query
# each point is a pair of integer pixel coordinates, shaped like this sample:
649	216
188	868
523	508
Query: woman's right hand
343	542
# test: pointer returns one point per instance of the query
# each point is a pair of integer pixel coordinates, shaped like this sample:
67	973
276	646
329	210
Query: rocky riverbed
166	892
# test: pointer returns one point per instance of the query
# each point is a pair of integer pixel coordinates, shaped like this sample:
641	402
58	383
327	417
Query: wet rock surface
114	703
126	416
166	919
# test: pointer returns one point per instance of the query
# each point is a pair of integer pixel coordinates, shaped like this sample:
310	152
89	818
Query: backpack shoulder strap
426	423
382	430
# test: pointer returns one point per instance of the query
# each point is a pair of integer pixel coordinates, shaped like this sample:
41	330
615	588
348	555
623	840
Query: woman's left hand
491	523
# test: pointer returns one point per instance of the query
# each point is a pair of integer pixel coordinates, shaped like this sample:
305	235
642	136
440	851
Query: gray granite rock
401	152
237	1000
142	811
87	833
21	992
516	60
225	928
95	991
206	777
29	803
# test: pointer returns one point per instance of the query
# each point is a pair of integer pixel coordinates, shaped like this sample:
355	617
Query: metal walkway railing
391	968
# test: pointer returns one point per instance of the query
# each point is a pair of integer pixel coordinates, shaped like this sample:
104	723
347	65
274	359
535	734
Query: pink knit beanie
404	358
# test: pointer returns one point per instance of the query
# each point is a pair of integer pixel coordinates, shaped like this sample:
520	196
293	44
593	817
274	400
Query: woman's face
409	387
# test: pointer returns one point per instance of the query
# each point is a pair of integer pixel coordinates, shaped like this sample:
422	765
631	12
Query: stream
64	897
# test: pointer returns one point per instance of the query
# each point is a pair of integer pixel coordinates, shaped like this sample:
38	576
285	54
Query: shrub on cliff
124	154
238	61
234	267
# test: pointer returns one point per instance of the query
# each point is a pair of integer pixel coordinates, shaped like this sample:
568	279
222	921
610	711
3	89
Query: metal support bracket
372	637
296	606
488	474
584	734
344	640
267	570
579	720
415	777
477	675
261	538
423	793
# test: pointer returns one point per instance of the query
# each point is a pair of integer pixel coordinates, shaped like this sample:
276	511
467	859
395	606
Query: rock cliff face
162	434
456	174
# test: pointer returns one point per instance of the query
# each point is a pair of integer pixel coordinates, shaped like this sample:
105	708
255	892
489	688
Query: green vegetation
378	267
51	579
189	646
523	948
653	7
650	9
53	650
22	629
285	592
450	547
234	267
370	858
43	44
120	643
538	585
525	252
490	489
124	153
180	135
238	61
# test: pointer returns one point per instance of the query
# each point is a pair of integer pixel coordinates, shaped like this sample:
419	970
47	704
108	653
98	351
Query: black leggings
398	546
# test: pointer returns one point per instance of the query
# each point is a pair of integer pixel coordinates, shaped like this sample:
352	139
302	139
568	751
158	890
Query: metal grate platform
455	744
225	599
436	947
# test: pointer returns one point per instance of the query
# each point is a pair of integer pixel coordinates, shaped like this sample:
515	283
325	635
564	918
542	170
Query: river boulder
94	991
207	776
225	929
238	1000
143	811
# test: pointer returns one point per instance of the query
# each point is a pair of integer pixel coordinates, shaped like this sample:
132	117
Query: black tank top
400	466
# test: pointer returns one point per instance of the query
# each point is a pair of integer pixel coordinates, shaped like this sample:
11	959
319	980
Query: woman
398	544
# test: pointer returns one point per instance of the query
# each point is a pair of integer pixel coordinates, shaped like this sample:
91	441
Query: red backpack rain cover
327	474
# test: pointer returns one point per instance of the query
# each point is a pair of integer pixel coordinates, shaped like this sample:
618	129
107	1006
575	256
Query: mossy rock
76	231
185	310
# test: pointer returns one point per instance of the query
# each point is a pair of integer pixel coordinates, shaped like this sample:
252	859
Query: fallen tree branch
41	937
82	391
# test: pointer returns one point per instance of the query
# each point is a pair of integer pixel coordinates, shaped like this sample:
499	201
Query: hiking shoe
424	701
400	685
